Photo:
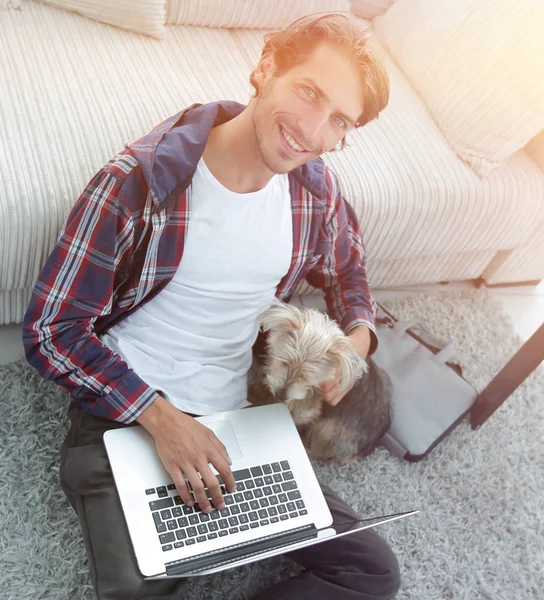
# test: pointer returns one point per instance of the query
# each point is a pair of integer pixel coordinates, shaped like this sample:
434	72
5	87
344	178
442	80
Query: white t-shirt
193	340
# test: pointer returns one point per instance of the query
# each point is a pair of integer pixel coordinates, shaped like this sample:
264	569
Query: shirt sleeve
340	272
75	287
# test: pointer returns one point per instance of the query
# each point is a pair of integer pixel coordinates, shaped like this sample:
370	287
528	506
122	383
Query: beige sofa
74	90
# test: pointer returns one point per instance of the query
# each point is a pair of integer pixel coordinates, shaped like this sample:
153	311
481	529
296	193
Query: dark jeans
360	565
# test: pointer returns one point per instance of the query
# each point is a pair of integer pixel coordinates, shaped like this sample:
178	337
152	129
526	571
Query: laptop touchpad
224	431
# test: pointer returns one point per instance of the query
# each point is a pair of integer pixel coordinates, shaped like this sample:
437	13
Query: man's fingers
328	395
199	490
181	486
228	477
221	449
214	489
223	466
334	400
331	384
333	397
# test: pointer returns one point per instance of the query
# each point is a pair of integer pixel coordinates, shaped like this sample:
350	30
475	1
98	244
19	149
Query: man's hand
360	338
186	447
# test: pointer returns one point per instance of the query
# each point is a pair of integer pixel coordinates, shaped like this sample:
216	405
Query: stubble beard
273	163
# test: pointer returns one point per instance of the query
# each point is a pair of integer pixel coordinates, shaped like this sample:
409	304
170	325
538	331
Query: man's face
307	110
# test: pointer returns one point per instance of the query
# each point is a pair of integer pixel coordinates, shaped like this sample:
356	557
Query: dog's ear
343	355
278	314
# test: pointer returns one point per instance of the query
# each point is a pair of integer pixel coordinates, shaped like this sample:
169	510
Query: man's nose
313	128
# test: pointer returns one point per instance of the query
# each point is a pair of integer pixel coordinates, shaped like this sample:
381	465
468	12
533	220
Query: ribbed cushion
260	14
535	149
477	65
10	4
416	270
141	16
413	195
13	305
369	9
525	263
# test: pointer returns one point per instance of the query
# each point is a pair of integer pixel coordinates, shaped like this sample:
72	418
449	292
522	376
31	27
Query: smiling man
147	309
311	90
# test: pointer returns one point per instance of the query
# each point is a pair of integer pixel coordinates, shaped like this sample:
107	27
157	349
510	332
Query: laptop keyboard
264	495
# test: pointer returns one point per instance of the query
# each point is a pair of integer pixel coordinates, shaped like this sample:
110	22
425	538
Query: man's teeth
291	141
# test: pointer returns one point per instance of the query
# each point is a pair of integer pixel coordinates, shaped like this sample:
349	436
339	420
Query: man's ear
265	68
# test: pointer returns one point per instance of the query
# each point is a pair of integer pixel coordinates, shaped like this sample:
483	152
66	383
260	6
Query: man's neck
233	157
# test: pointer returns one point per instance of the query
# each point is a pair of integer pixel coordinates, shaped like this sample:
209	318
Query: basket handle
442	356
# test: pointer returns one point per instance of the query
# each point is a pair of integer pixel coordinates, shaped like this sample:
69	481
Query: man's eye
339	121
308	91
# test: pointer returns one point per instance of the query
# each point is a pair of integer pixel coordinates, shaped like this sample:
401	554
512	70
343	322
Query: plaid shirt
122	244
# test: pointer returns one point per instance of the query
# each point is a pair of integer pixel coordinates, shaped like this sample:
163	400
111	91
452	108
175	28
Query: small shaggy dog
302	349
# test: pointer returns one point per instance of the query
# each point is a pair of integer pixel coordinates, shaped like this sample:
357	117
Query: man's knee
85	469
379	571
129	586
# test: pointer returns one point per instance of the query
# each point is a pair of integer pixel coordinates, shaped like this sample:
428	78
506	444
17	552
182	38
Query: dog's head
304	349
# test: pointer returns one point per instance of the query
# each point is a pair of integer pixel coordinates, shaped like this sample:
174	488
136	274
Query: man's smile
291	144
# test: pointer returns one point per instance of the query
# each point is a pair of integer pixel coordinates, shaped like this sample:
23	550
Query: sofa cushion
478	67
369	9
535	149
141	16
264	14
10	4
524	263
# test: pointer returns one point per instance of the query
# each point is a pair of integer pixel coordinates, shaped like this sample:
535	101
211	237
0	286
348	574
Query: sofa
442	193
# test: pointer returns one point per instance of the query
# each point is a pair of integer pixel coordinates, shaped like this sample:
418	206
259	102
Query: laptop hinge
223	556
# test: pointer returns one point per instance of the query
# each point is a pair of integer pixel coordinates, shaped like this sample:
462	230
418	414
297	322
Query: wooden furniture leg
518	368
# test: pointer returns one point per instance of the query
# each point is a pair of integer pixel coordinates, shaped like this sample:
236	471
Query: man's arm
341	273
361	338
75	287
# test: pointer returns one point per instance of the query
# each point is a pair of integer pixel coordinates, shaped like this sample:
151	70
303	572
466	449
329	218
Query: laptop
278	505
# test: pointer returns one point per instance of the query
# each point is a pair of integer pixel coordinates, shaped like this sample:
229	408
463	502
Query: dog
298	350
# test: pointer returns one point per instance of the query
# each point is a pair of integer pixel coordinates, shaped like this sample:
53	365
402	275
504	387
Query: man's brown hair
295	44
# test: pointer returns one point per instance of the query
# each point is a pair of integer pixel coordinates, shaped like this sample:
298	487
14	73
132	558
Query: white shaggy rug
480	494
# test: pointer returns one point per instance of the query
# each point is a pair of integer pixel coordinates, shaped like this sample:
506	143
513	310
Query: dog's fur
301	350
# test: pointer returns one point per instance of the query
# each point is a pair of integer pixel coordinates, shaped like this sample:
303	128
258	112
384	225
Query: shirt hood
169	153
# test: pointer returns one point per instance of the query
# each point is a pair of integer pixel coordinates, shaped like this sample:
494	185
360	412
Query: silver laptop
278	505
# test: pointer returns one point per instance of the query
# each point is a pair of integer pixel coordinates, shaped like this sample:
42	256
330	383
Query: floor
525	304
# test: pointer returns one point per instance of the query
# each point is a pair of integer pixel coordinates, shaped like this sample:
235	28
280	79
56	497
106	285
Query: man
148	306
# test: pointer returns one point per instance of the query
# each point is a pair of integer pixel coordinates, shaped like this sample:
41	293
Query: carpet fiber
480	528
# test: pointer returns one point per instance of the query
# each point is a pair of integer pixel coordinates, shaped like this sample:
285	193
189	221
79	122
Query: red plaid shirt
122	244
